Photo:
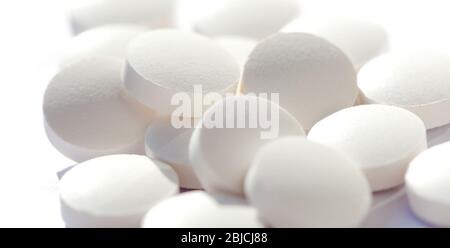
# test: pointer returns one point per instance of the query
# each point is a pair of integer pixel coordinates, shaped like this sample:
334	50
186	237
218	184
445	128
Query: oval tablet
88	14
294	182
415	80
87	114
428	185
313	77
249	18
221	153
381	139
165	62
169	144
359	39
239	47
199	210
114	191
110	40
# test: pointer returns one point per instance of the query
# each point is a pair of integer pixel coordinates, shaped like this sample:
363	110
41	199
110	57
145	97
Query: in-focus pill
108	41
313	77
114	191
381	139
87	113
294	182
87	14
239	47
415	80
255	19
428	185
200	210
165	62
359	39
221	156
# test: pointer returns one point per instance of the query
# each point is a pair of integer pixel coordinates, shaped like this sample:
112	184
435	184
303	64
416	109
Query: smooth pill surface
87	113
165	62
222	156
171	145
381	139
294	182
108	41
114	191
312	77
201	210
428	185
359	39
255	19
87	14
239	47
415	80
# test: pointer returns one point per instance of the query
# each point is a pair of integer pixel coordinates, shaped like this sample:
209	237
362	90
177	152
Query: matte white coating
114	191
294	182
239	47
381	139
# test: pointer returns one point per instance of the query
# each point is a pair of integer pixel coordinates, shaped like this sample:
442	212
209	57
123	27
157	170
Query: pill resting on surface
110	41
114	191
87	114
417	80
165	62
221	155
87	14
294	182
200	210
359	39
381	139
428	185
313	77
171	145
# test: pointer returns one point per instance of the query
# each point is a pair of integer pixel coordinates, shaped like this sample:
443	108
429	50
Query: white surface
34	33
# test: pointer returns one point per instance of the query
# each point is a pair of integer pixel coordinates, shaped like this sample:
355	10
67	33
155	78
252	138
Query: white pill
415	80
294	182
239	47
221	156
249	18
200	210
359	39
428	185
87	14
108	41
381	139
165	62
313	77
171	145
87	113
114	191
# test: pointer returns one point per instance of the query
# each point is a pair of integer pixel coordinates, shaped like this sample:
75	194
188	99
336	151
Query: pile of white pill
329	116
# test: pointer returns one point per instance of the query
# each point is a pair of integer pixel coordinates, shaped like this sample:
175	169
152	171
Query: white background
32	34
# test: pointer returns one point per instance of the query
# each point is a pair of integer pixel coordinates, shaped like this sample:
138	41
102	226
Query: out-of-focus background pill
200	210
294	182
114	191
381	139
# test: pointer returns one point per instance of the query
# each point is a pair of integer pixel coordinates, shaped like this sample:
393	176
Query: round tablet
110	40
165	62
359	39
428	185
200	210
87	114
313	77
87	14
381	139
169	144
249	18
239	47
415	80
114	191
294	182
221	153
